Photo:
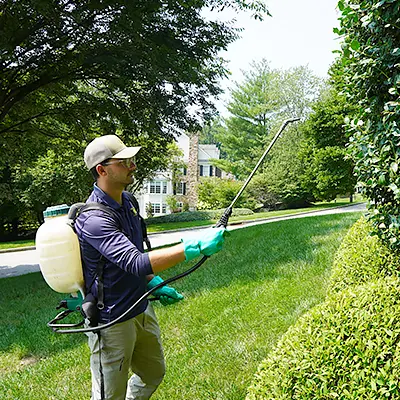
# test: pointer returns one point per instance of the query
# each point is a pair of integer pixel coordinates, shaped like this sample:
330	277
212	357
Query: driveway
24	262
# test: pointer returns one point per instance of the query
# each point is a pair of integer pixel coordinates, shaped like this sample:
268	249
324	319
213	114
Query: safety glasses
126	162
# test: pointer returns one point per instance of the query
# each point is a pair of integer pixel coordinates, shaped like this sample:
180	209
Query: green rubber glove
166	294
207	242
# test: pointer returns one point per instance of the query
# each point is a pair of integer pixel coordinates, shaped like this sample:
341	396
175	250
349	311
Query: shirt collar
104	197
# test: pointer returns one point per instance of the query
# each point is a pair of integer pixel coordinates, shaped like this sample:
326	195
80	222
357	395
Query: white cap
105	147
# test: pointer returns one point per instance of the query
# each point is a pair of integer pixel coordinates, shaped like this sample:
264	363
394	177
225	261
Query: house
197	159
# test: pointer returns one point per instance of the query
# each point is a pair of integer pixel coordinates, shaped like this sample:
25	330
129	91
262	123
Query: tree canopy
328	169
257	107
139	64
72	70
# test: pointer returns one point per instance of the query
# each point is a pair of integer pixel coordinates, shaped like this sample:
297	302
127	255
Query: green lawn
264	215
14	245
236	307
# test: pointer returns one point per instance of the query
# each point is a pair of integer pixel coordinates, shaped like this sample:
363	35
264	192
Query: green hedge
368	74
196	216
361	258
345	348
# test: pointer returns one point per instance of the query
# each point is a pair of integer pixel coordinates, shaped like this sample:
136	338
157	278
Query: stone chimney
193	170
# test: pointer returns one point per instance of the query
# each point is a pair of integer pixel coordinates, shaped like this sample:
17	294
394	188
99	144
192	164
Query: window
211	170
156	208
158	187
217	172
201	170
155	187
164	208
185	171
181	188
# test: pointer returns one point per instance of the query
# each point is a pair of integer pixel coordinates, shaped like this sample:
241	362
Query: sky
300	32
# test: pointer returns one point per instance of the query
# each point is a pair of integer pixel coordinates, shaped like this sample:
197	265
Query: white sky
298	33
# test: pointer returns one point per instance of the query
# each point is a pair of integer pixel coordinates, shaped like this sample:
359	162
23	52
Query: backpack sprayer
60	263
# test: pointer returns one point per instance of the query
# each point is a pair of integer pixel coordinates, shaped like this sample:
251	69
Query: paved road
24	262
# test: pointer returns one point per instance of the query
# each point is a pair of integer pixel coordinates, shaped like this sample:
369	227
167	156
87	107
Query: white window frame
155	187
156	208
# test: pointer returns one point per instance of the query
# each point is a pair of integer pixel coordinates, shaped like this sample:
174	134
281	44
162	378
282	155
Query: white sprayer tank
59	254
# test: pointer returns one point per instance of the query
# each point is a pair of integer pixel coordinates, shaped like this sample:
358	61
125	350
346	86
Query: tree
328	167
370	58
258	105
99	65
73	70
281	177
210	130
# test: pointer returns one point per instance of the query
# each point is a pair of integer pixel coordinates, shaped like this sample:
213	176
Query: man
117	241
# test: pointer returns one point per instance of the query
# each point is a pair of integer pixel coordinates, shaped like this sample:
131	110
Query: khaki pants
134	344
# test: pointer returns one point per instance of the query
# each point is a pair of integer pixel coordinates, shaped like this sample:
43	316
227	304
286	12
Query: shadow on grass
251	254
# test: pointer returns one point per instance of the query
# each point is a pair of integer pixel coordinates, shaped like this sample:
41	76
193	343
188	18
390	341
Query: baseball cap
104	147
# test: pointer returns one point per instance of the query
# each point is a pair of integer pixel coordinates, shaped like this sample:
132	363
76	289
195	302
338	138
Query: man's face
120	171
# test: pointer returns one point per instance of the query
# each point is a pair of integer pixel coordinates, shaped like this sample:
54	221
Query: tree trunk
14	228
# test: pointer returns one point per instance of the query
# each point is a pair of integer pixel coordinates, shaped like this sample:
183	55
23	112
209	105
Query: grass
16	244
236	307
263	215
273	214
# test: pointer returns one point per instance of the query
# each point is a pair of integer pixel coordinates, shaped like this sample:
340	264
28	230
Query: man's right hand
207	242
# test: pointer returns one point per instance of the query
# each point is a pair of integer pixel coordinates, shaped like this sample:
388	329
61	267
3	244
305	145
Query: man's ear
101	170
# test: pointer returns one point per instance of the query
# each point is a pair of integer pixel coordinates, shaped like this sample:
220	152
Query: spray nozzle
223	221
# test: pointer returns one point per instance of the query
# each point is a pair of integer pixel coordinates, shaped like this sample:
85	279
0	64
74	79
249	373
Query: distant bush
345	348
218	193
195	216
361	258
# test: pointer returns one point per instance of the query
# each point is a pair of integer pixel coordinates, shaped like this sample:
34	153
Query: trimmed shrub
196	216
345	348
361	258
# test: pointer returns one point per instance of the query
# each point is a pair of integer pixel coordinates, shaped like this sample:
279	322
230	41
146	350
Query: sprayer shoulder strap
79	208
75	211
135	203
99	206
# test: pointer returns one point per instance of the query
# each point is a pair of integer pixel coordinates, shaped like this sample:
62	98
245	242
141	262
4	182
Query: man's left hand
166	294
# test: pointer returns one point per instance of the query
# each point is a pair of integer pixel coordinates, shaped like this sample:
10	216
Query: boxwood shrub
195	216
361	258
345	348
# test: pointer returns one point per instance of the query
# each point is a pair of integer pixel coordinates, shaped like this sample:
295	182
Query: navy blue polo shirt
121	244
